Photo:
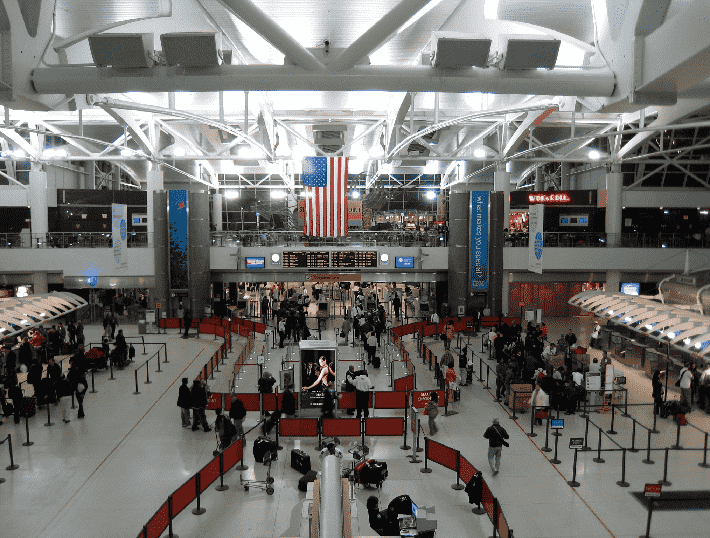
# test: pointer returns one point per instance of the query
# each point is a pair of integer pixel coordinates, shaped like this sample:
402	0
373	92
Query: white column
613	279
614	183
538	179
217	210
501	182
39	281
38	198
564	177
155	183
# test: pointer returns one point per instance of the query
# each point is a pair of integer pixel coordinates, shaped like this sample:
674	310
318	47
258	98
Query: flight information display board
355	258
306	258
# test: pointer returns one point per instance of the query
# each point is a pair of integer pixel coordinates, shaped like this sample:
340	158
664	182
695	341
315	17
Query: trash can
141	327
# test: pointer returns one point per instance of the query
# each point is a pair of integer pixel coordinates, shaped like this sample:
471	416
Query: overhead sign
652	490
536	241
479	240
157	305
333	277
576	443
178	251
551	198
557	423
354	212
119	235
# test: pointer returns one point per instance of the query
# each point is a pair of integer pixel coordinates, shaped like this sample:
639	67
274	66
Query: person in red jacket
449	332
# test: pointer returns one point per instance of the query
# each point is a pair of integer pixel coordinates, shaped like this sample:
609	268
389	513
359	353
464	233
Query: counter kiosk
309	353
635	355
604	343
654	360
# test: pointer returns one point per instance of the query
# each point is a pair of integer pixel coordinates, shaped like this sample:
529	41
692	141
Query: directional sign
557	423
652	490
576	443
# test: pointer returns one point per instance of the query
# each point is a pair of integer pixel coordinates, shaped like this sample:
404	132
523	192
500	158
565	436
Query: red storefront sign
549	198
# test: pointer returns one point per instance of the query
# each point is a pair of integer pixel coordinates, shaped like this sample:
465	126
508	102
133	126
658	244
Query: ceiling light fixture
479	153
355	194
231	194
431	195
594	154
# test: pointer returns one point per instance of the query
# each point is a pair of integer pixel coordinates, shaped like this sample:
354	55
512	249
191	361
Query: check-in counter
632	354
605	338
654	360
616	344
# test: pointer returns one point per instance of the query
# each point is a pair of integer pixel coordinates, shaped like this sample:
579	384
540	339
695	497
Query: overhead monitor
404	262
254	262
630	288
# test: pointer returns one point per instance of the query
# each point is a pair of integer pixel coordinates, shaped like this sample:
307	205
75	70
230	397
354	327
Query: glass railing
364	238
602	240
71	240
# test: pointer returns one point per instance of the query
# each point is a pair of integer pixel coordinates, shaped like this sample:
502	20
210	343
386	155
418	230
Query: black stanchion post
625	414
704	463
426	468
556	433
648	460
599	458
623	483
655	417
73	405
633	437
147	373
556	460
586	447
135	373
170	519
93	388
110	364
547	448
648	520
158	370
198	510
574	482
480	369
458	485
222	486
488	374
30	443
532	422
12	465
49	415
585	413
611	430
143	340
677	446
240	466
165	353
665	481
405	446
495	518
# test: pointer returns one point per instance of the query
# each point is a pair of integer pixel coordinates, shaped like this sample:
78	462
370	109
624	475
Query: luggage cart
266	485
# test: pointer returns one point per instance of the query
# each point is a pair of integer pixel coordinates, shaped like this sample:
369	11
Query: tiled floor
107	474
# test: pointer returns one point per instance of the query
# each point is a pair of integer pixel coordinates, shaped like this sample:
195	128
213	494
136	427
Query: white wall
667	198
13	196
81	262
63	178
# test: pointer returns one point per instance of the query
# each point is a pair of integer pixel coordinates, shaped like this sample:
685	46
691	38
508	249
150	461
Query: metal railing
404	238
603	240
71	240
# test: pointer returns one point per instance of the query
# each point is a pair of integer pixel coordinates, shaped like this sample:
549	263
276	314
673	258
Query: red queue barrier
404	384
420	398
346	400
341	427
385	426
206	328
214	401
443	455
184	495
391	400
466	470
249	399
259	328
298	427
159	522
270	401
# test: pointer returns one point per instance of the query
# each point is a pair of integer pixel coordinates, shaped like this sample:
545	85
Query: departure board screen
355	258
305	258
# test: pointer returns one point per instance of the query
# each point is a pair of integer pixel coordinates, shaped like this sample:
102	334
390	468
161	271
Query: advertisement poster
535	243
354	213
301	212
119	214
479	240
177	218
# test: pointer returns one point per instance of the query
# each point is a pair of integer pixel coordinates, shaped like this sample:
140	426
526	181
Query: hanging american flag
325	182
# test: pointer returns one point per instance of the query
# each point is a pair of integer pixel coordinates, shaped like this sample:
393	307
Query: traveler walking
238	413
432	411
363	386
64	391
396	305
463	365
448	334
184	403
199	404
496	436
188	324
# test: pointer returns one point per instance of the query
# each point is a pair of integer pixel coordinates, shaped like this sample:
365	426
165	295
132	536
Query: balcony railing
363	238
602	240
71	240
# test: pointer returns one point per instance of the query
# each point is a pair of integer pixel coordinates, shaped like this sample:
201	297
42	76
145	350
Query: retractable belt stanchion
665	481
93	388
633	437
515	406
655	416
611	430
556	460
110	363
49	415
147	374
222	486
495	518
532	421
648	460
704	464
574	482
599	458
198	510
12	465
27	432
426	469
623	483
586	447
135	373
677	446
547	448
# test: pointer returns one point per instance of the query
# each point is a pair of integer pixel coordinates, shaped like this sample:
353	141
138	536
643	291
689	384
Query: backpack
230	430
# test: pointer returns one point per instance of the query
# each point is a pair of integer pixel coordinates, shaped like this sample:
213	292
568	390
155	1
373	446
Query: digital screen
306	258
354	258
576	442
404	262
558	423
583	220
254	263
630	288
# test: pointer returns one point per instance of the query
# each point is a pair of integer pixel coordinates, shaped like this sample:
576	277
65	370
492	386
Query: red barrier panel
249	324
442	454
489	321
487	500
341	427
219	331
390	400
214	401
234	327
159	522
421	397
404	384
249	399
428	330
206	328
209	474
281	400
509	321
466	470
346	400
298	427
232	455
390	426
259	328
244	331
270	401
183	496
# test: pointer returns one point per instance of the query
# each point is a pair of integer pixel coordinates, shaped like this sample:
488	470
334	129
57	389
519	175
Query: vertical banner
479	240
119	230
301	212
177	219
535	242
355	213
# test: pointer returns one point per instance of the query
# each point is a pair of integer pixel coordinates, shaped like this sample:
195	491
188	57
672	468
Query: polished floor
106	475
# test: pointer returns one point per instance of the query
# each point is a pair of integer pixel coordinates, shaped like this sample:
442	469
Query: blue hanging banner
177	217
479	240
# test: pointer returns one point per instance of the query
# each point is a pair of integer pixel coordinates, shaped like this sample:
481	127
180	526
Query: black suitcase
300	461
457	394
262	445
469	374
310	476
376	362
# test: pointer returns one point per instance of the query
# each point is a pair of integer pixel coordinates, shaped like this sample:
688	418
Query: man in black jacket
184	403
199	404
496	436
10	365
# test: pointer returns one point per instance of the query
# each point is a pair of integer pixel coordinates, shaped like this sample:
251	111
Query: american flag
325	182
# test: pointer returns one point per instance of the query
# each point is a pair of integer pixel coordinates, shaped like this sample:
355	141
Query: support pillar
459	209
116	177
573	178
539	180
160	250
217	210
199	252
39	202
612	281
155	184
496	239
501	183
614	184
505	294
564	177
39	281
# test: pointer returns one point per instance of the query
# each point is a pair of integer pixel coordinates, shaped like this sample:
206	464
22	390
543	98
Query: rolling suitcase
469	375
310	476
376	362
262	445
300	461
